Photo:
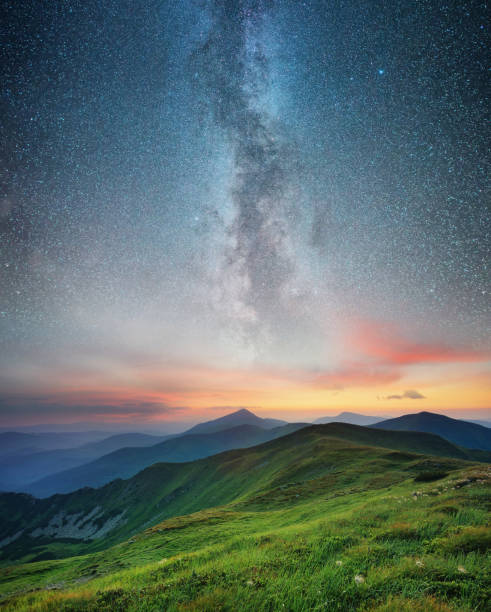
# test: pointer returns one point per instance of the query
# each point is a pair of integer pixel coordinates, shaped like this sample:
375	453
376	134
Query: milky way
239	184
234	68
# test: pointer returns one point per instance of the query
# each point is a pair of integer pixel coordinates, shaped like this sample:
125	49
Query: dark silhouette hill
462	433
349	417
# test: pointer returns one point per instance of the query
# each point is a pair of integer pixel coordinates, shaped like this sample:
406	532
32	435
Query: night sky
275	205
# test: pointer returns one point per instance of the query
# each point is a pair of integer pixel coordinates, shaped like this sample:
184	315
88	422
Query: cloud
413	394
386	345
46	408
356	375
410	394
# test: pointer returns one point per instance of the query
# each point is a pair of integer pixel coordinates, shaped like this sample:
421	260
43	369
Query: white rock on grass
78	526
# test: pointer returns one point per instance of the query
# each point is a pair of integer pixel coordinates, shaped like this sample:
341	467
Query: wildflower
359	579
339	563
462	569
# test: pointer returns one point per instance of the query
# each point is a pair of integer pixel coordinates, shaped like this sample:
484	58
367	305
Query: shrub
430	476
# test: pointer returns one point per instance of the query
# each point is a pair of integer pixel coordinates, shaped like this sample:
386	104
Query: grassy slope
280	550
284	513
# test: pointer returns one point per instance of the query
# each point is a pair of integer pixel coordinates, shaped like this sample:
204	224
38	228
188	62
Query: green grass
293	525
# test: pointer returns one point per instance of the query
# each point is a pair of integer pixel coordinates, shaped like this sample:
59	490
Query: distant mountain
126	462
318	460
240	417
483	423
463	433
25	463
23	467
15	443
349	417
123	440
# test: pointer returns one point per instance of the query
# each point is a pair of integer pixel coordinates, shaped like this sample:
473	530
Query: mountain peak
242	412
239	417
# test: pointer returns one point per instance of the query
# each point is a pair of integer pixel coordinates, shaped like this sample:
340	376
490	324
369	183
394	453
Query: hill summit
463	433
354	418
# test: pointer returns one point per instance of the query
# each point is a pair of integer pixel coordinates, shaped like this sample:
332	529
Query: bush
430	476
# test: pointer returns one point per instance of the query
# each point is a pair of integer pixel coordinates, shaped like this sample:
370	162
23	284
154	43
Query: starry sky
208	205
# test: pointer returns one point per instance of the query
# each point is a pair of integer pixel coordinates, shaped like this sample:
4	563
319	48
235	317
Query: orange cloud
387	346
357	375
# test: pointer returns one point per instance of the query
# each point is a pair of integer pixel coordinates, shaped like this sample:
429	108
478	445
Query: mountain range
17	443
22	465
90	519
28	457
121	456
126	462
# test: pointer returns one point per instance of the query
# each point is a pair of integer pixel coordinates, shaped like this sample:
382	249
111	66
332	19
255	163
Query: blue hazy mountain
127	462
22	465
353	418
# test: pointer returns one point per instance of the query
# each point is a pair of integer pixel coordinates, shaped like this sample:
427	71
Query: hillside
462	433
93	518
308	521
19	470
239	417
126	462
353	418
